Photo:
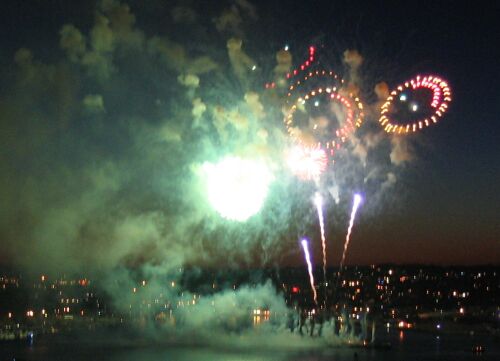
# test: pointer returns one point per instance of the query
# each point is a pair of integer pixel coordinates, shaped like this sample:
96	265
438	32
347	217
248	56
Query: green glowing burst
237	187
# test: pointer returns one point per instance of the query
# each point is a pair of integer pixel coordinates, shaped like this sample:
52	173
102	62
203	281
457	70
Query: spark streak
355	205
318	201
305	247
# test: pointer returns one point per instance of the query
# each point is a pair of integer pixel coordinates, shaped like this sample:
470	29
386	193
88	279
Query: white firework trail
355	205
318	201
305	247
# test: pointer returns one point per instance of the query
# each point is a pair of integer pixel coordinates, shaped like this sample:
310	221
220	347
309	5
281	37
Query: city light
422	286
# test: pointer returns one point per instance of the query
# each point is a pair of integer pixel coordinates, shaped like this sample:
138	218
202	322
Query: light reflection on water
413	347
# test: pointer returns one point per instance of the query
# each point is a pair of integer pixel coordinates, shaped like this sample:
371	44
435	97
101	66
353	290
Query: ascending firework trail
355	206
318	201
305	247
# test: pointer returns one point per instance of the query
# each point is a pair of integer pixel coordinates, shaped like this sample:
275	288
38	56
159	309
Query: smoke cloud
402	151
103	149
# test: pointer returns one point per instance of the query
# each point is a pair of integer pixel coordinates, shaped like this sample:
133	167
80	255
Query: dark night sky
449	204
452	207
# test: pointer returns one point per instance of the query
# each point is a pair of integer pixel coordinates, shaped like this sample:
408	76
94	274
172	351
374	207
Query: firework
318	201
307	163
331	77
326	136
441	97
305	247
237	187
348	113
355	205
306	64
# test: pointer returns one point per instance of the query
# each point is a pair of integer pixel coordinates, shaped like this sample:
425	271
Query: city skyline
249	179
